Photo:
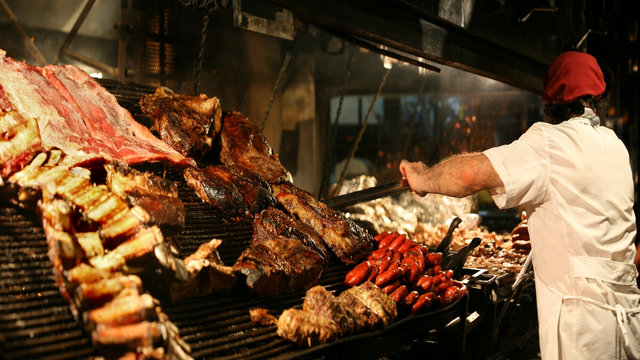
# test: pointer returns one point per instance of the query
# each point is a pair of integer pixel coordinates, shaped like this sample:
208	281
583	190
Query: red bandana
572	75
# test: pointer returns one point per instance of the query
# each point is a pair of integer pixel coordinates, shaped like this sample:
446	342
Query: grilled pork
348	241
187	123
234	190
243	143
157	196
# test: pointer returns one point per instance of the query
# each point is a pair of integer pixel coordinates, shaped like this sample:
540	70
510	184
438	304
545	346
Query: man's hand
414	173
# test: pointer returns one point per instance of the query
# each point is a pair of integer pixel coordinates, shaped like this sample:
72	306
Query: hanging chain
362	129
276	87
203	43
334	133
413	119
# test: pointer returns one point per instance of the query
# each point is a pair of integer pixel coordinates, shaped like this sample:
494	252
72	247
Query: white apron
575	183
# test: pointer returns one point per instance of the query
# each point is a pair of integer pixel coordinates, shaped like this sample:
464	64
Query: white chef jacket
574	180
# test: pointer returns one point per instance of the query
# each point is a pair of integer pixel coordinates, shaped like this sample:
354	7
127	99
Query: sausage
384	263
377	254
448	296
437	269
406	245
423	302
444	285
391	274
434	258
449	273
358	274
411	298
391	287
384	243
424	282
412	267
380	236
397	242
398	294
375	270
418	258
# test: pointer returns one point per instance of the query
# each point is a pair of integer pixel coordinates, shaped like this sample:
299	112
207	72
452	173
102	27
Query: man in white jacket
573	178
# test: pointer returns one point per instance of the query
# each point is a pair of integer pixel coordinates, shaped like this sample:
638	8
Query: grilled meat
322	302
78	116
303	327
207	273
275	264
276	222
243	143
124	310
19	139
348	241
234	190
368	306
157	196
187	123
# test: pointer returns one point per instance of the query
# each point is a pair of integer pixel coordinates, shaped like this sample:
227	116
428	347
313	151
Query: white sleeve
523	167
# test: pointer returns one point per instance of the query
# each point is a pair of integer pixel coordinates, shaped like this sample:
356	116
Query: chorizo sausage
358	274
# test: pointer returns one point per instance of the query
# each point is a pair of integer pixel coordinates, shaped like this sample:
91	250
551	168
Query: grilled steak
274	264
244	144
322	302
348	241
78	116
157	196
187	123
234	190
277	222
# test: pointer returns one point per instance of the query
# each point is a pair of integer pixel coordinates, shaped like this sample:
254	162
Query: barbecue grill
36	321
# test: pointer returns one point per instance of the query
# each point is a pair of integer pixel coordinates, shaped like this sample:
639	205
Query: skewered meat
274	264
234	190
207	273
243	143
322	302
157	196
187	123
275	221
78	116
348	241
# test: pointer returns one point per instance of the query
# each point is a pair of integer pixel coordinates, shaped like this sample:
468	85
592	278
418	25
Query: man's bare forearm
457	176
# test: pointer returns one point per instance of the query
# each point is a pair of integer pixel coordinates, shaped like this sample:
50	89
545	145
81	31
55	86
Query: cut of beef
187	123
274	264
276	222
244	144
348	241
78	116
234	190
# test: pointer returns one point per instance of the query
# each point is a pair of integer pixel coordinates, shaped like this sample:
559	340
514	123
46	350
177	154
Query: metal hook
526	17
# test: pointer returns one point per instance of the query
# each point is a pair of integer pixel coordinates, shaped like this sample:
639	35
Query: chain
276	87
413	119
334	133
362	129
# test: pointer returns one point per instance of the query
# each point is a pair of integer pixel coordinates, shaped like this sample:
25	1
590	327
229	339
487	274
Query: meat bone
376	192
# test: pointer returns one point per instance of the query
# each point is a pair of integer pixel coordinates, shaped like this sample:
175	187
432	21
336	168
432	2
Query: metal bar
35	52
111	71
122	40
74	30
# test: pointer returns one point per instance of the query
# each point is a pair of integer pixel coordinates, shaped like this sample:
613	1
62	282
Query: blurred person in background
574	180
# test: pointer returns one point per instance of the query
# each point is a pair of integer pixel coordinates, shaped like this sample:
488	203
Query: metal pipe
74	30
40	60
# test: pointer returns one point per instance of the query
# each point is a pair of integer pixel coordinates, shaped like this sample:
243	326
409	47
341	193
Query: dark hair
560	113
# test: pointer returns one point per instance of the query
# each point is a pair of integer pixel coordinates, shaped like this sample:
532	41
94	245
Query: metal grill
36	321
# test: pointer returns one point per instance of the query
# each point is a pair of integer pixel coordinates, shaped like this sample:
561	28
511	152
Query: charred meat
244	144
187	123
157	196
348	241
234	190
322	302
